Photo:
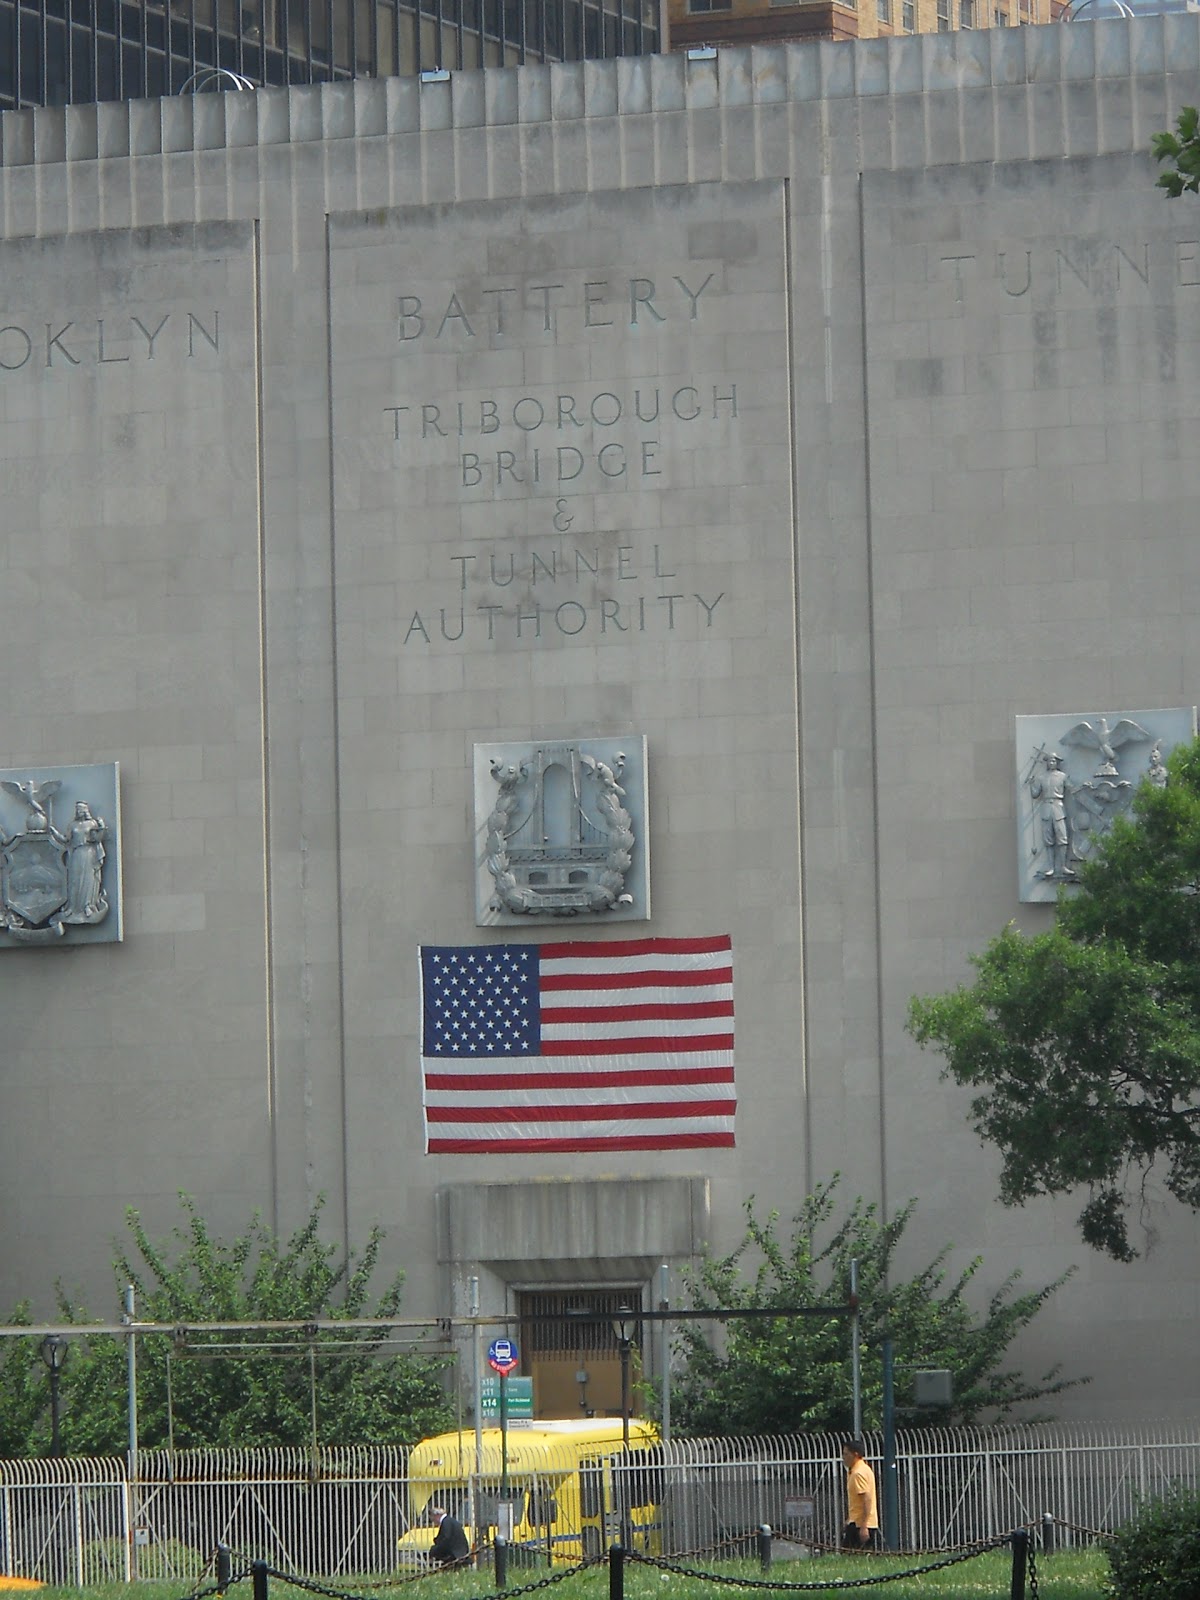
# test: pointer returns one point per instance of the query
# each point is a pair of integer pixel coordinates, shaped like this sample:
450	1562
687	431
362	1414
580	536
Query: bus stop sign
503	1357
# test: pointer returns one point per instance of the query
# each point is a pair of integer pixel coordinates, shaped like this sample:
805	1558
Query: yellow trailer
555	1498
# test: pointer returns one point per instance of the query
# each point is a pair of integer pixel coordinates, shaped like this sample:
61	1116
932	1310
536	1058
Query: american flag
578	1046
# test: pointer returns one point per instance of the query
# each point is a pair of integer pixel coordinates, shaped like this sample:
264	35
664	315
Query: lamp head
623	1324
53	1349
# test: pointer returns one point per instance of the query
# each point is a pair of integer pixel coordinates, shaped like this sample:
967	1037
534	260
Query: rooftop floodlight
215	78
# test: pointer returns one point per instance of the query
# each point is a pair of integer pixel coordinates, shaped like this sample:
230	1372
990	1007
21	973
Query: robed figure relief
52	876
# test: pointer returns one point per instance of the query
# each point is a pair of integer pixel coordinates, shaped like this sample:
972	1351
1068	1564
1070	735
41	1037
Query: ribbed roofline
1161	52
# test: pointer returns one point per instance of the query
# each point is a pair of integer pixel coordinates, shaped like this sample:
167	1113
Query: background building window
883	10
943	16
74	52
966	13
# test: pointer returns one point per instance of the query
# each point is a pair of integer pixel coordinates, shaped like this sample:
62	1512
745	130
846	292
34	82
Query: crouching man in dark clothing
450	1540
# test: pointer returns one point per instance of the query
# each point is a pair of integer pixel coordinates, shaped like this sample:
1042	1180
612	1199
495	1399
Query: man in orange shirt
862	1516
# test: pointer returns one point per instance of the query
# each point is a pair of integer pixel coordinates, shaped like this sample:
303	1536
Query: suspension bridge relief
563	830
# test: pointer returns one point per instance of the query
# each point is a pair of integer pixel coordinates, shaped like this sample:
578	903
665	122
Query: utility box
933	1388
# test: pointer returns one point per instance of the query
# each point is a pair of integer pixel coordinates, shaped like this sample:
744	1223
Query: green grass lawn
1073	1575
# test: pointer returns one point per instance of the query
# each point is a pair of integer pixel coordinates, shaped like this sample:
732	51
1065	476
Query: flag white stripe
617	1128
597	999
647	961
516	1066
639	1028
631	1095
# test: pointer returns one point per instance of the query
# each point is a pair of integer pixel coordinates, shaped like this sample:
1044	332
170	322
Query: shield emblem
35	877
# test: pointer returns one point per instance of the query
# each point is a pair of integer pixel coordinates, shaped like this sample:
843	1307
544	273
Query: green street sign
518	1400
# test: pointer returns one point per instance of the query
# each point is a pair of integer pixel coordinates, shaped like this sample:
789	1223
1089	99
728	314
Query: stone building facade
742	22
801	416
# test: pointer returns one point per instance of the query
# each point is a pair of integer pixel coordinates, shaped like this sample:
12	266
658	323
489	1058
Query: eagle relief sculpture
559	839
1076	780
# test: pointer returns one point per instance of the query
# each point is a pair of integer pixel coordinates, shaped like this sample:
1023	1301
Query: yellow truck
556	1499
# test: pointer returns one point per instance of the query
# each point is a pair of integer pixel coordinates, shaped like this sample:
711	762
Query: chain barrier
310	1586
967	1554
218	1588
952	1558
736	1544
547	1580
1079	1527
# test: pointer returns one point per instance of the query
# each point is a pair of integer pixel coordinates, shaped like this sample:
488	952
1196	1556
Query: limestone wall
878	362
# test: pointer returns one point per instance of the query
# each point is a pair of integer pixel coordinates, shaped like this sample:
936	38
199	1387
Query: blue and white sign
503	1357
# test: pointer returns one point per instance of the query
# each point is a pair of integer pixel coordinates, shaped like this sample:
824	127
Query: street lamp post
53	1350
623	1325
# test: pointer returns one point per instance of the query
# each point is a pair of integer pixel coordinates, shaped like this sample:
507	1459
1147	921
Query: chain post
764	1548
1020	1553
224	1567
616	1573
259	1569
500	1557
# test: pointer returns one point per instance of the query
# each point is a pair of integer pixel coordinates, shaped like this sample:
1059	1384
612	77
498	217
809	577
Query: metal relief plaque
561	831
60	856
1075	773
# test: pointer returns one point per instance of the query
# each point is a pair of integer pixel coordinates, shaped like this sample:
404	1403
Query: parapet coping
687	81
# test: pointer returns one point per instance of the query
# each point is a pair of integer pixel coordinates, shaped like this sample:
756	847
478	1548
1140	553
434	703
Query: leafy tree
781	1374
198	1391
1182	149
1085	1041
24	1388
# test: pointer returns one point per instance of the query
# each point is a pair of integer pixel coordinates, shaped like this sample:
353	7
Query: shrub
1156	1555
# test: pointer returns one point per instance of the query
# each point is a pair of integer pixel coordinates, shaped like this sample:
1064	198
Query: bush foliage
1156	1555
271	1387
784	1374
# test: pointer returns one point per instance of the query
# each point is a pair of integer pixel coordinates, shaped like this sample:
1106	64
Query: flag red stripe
470	1083
637	1046
639	1111
635	947
638	1013
548	1146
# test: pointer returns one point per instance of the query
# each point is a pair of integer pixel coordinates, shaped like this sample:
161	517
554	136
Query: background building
56	54
728	22
799	416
